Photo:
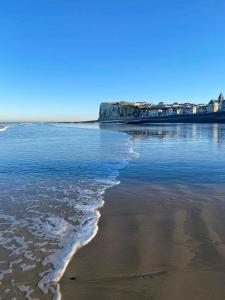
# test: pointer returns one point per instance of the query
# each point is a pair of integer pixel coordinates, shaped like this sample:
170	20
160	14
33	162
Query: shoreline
150	248
77	246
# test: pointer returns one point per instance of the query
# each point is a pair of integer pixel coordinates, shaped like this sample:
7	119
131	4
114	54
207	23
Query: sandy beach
152	244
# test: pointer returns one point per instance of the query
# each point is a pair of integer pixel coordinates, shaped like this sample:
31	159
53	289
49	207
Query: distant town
176	108
128	110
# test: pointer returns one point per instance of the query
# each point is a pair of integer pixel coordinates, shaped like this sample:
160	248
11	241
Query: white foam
15	262
52	227
57	235
60	259
27	290
73	240
77	239
26	267
4	128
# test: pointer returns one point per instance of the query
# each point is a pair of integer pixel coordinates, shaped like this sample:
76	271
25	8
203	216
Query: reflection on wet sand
162	230
215	132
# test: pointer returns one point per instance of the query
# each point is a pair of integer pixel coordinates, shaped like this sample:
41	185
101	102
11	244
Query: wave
4	128
60	259
60	211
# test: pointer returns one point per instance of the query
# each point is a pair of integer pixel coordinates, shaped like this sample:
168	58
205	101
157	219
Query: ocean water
185	161
52	181
53	178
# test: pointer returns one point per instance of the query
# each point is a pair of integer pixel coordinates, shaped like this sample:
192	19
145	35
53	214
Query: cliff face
118	111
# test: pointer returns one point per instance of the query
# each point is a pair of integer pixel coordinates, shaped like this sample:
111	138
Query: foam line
4	128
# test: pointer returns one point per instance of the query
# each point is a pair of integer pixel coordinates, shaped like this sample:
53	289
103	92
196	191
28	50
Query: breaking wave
3	128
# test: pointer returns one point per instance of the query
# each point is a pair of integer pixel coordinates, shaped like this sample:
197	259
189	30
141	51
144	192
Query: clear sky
60	58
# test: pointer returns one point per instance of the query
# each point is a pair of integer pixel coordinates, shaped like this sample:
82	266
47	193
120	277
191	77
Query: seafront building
216	105
124	109
213	106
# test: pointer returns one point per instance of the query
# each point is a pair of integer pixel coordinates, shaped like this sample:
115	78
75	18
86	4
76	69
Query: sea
52	183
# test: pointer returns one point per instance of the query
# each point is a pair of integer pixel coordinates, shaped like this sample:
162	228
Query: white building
189	110
216	105
213	106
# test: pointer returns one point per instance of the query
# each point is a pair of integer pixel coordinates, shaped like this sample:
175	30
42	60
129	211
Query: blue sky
60	59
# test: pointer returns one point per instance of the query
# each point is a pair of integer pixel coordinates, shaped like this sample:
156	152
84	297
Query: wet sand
152	245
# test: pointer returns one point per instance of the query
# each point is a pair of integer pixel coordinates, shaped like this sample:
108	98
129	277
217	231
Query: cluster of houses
129	110
162	109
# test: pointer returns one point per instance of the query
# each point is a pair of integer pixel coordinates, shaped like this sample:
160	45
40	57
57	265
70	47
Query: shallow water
52	178
185	159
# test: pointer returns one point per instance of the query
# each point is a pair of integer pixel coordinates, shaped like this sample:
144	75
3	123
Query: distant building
177	110
223	105
221	98
141	104
201	109
216	105
153	112
172	111
220	102
213	106
189	109
124	110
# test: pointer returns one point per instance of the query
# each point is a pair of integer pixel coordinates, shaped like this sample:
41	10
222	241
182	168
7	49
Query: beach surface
153	242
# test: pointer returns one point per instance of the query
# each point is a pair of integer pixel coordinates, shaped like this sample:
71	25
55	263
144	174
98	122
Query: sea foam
3	128
59	175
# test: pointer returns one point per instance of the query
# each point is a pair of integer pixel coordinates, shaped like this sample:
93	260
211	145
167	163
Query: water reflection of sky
177	153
